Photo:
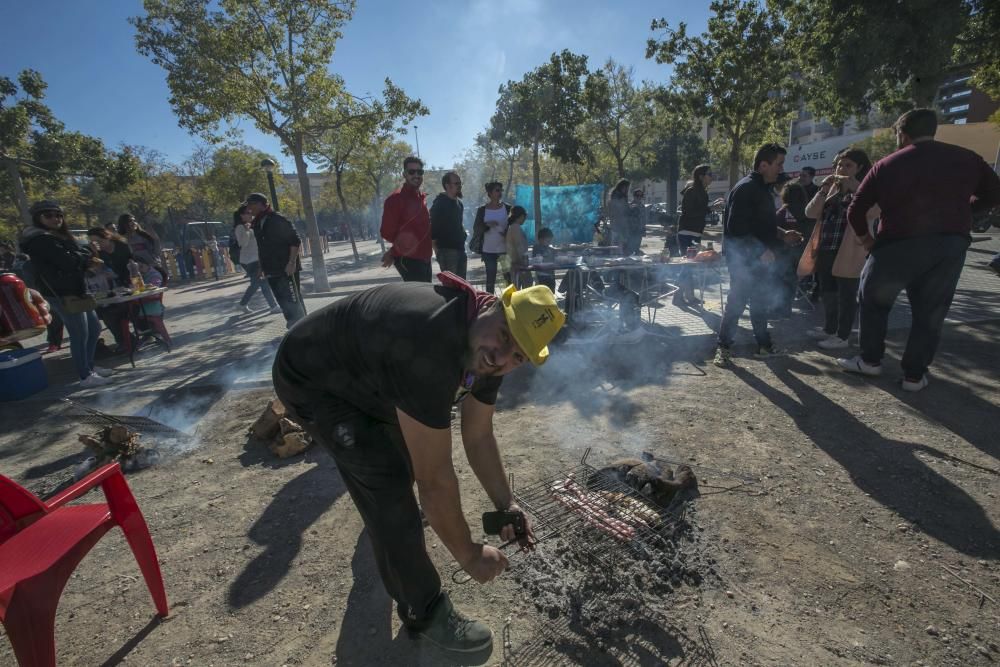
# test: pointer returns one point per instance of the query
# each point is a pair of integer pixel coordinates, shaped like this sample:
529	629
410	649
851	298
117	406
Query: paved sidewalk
216	345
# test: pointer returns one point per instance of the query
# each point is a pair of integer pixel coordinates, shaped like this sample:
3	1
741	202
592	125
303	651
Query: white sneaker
248	309
103	372
818	333
94	380
915	386
834	343
858	365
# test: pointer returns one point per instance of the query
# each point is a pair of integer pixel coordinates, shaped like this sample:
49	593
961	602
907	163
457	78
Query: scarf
478	300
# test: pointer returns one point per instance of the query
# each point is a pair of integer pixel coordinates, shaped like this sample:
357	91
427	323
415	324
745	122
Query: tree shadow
887	470
366	632
279	529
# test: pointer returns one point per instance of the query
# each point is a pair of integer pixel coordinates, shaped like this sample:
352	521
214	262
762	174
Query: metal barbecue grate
86	415
602	518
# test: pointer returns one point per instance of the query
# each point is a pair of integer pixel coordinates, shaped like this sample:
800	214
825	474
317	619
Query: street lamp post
268	165
416	136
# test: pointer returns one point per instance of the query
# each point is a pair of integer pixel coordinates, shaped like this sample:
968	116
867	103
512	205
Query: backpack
234	248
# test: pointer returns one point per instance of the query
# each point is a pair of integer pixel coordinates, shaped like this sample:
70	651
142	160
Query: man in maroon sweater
406	224
927	192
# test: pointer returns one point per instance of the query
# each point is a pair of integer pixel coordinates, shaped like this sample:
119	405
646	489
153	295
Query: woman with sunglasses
60	265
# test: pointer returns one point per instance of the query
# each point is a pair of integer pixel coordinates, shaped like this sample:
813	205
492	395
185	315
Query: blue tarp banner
570	211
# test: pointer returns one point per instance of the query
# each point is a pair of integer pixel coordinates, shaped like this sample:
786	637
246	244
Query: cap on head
256	197
534	319
44	205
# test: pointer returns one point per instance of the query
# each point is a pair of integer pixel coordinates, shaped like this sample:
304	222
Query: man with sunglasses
406	224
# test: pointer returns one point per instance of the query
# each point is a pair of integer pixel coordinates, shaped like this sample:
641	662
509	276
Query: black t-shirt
401	345
117	260
446	222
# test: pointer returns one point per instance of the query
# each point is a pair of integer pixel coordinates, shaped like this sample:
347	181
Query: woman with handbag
60	264
834	252
489	232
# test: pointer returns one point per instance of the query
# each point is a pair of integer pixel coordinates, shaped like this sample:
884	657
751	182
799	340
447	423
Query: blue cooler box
22	374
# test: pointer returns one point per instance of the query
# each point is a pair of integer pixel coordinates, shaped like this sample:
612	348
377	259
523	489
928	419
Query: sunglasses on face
415	172
52	214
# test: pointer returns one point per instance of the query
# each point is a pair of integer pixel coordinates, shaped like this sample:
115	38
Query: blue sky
452	55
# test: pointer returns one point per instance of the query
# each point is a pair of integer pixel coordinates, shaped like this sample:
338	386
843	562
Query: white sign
819	154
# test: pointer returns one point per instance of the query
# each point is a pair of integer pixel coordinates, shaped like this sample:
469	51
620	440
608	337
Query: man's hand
290	268
486	563
528	539
868	242
767	257
41	304
96	263
387	259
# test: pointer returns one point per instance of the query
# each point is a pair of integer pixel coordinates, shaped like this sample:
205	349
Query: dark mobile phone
493	522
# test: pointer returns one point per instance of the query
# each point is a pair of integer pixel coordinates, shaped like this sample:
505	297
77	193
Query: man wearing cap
373	378
278	251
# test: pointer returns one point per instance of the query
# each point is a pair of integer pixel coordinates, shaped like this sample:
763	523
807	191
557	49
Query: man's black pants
749	285
289	297
413	270
373	462
928	268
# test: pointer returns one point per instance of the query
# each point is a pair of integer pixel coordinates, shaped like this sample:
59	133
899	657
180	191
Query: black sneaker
448	629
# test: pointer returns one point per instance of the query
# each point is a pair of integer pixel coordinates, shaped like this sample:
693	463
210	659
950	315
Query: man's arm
437	487
482	451
864	198
987	194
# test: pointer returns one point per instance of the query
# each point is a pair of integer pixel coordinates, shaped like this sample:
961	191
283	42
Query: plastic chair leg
127	515
160	328
30	618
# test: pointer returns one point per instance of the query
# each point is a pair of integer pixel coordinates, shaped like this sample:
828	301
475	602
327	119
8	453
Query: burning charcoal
266	426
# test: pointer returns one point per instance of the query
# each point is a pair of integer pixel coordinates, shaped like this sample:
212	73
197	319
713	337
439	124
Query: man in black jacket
750	238
278	248
447	231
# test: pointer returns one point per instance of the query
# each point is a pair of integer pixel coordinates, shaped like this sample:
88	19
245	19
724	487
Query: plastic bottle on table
137	283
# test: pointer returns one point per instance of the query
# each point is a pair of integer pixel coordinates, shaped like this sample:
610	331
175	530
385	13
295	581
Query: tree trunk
20	198
536	177
375	215
510	173
734	161
621	165
320	282
339	173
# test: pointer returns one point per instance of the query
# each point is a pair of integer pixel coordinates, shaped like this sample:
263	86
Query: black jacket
446	222
117	260
59	264
694	209
749	219
275	237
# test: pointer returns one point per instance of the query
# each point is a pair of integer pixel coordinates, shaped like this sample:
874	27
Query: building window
960	107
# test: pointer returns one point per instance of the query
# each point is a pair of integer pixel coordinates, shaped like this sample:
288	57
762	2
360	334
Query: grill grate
600	517
140	424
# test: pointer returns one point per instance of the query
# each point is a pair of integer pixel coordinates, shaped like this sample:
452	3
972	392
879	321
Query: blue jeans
750	285
83	328
256	280
928	268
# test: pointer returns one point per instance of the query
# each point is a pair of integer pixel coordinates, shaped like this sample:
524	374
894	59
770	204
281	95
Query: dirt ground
834	553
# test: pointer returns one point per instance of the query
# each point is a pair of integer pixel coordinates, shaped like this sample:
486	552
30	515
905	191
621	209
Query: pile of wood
117	443
285	438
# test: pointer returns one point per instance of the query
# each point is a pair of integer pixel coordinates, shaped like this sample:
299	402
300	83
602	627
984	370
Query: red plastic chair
41	543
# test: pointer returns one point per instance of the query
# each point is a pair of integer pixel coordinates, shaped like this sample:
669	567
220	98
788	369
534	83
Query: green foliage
878	145
542	112
47	158
737	75
856	56
979	45
620	115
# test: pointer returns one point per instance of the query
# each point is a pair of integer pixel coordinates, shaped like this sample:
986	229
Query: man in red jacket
406	224
927	192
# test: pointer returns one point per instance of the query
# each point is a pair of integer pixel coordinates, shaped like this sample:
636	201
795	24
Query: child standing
543	252
517	248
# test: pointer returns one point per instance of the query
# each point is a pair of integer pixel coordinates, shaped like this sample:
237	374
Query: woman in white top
494	215
249	260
